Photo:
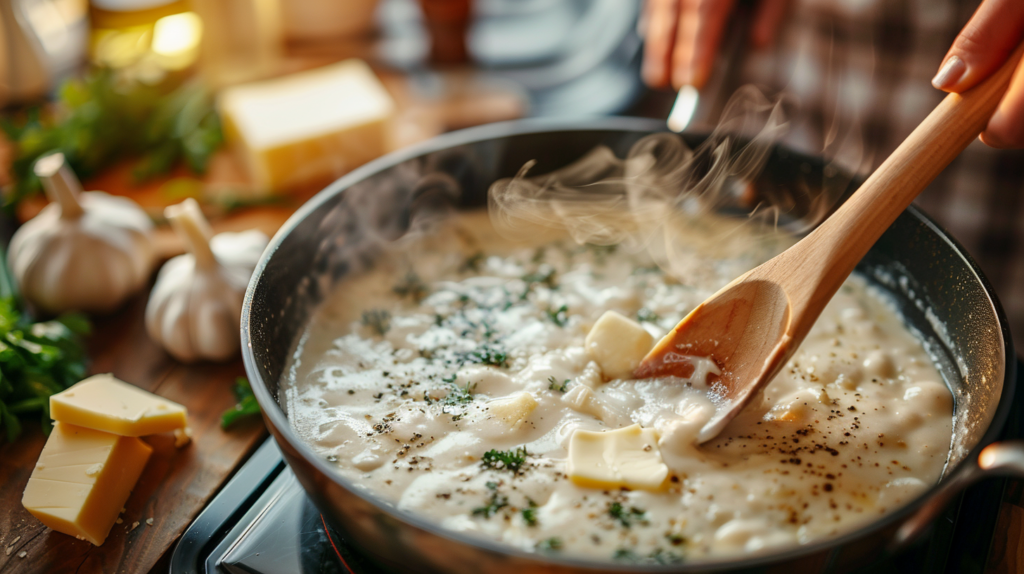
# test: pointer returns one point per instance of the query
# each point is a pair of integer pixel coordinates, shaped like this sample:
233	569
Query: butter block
628	457
512	410
308	127
107	404
83	479
618	344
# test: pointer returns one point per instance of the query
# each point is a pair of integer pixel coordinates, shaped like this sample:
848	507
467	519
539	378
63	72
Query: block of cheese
308	127
512	410
618	344
104	403
83	479
627	457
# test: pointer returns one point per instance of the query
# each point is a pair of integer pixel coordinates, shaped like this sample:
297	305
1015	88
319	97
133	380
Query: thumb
995	29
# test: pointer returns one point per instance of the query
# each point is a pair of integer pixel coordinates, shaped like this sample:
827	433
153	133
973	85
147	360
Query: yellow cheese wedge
618	344
627	457
83	479
308	127
104	403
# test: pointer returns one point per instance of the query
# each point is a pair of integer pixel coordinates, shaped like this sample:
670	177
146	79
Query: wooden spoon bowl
752	326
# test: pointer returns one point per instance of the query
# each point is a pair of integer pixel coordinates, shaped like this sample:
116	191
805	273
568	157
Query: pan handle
997	459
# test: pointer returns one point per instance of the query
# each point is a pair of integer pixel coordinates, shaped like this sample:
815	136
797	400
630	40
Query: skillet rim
278	421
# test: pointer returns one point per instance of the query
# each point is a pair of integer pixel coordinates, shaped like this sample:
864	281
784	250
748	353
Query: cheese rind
106	404
309	126
626	457
83	479
618	344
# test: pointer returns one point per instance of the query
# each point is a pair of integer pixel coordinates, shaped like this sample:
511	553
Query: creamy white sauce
393	378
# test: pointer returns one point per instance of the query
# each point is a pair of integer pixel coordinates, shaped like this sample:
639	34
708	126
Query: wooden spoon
752	326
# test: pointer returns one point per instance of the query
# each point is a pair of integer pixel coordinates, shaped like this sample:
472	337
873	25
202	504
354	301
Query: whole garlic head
85	251
195	308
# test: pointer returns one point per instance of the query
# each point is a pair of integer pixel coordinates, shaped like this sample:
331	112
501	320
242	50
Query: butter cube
618	344
104	403
83	479
512	410
627	457
309	127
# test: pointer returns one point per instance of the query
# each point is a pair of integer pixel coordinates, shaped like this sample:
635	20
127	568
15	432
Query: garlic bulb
84	251
195	308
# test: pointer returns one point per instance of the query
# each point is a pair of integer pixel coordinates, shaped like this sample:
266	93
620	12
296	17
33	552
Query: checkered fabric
860	71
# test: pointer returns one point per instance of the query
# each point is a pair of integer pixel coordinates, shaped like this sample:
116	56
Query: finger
767	21
660	17
1006	128
701	24
983	45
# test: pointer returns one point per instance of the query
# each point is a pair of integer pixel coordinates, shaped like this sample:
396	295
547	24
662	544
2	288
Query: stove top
262	522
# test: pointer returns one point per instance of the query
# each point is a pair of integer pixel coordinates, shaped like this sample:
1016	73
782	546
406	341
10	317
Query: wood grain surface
176	482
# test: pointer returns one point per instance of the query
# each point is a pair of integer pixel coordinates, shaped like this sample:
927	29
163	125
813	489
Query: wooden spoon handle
831	252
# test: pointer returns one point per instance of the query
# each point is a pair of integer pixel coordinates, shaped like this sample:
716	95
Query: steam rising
659	190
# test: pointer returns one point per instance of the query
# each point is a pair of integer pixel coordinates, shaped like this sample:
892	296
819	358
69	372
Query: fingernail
950	73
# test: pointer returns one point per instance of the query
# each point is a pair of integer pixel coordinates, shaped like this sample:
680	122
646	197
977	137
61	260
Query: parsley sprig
246	406
513	460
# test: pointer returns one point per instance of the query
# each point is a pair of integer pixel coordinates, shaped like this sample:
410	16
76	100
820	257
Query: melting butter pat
83	479
308	127
627	457
618	344
104	403
512	410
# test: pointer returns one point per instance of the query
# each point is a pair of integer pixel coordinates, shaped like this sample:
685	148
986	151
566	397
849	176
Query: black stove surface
262	522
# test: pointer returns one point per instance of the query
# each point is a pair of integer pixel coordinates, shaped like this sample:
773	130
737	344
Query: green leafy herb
104	117
495	504
487	355
379	320
246	406
559	316
545	275
659	556
551	544
554	385
625	555
626	517
530	513
36	359
411	286
510	460
458	395
646	315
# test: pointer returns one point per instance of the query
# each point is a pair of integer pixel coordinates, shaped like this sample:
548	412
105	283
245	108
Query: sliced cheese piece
618	344
627	457
104	403
581	399
308	127
512	410
83	479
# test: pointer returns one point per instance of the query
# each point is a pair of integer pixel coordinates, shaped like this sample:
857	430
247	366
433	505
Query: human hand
993	32
682	37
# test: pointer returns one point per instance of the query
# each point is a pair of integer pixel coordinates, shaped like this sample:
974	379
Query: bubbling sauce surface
393	379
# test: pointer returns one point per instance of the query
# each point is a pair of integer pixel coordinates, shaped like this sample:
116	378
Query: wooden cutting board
176	482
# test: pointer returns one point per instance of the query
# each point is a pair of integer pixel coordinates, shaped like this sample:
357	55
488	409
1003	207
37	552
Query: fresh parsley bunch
36	360
101	118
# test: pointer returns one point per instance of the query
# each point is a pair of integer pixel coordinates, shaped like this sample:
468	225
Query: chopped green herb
458	395
473	262
646	315
510	460
544	275
496	503
660	556
246	406
625	555
550	544
379	320
487	355
529	516
560	316
554	385
411	286
626	517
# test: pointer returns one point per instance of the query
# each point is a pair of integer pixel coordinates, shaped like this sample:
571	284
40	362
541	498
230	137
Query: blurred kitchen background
251	106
